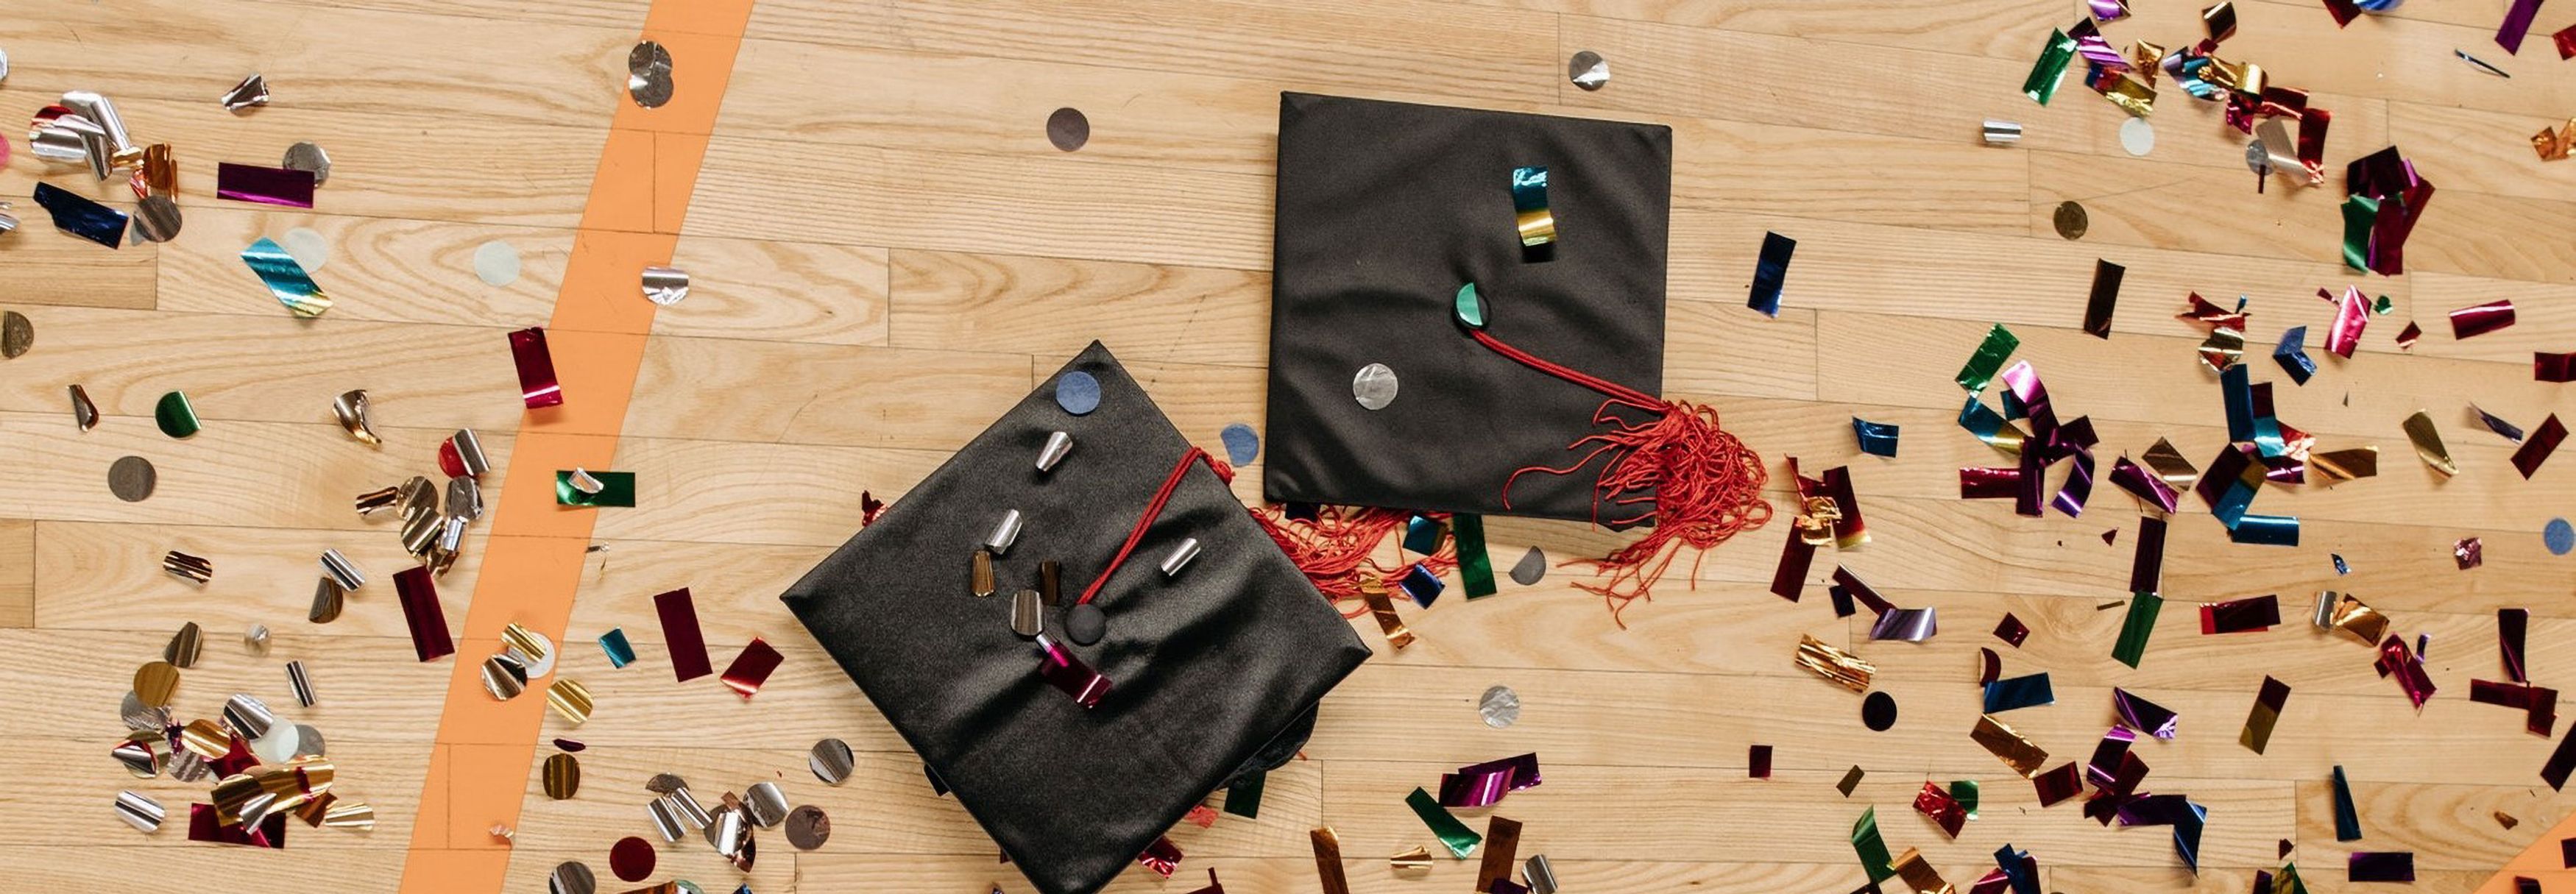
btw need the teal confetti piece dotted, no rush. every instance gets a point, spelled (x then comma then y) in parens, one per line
(1422, 535)
(285, 278)
(615, 489)
(1453, 834)
(1475, 568)
(620, 653)
(2134, 631)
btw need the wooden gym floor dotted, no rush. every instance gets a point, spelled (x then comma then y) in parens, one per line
(886, 252)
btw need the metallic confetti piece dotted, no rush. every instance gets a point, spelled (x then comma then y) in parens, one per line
(1587, 70)
(2240, 615)
(1875, 438)
(1328, 860)
(183, 565)
(831, 761)
(2012, 630)
(1758, 762)
(2428, 444)
(1374, 594)
(1871, 849)
(1475, 565)
(423, 614)
(1068, 129)
(1770, 272)
(2001, 133)
(82, 217)
(1919, 874)
(302, 684)
(1531, 569)
(496, 263)
(1420, 584)
(1058, 445)
(2057, 785)
(533, 649)
(2507, 430)
(1481, 785)
(2480, 319)
(2017, 692)
(681, 636)
(184, 646)
(2352, 314)
(139, 810)
(205, 824)
(2106, 296)
(2142, 715)
(2146, 569)
(176, 416)
(155, 682)
(1028, 613)
(1945, 811)
(1242, 444)
(1500, 707)
(2469, 552)
(808, 827)
(1460, 840)
(1851, 780)
(648, 76)
(537, 384)
(1374, 386)
(1833, 664)
(1005, 531)
(156, 218)
(615, 489)
(570, 699)
(505, 676)
(85, 415)
(751, 668)
(2388, 866)
(1422, 534)
(251, 93)
(461, 455)
(631, 858)
(1988, 359)
(1538, 875)
(1243, 796)
(2347, 820)
(2335, 466)
(2040, 86)
(765, 804)
(351, 409)
(1502, 847)
(1414, 860)
(265, 186)
(2407, 667)
(561, 776)
(1068, 674)
(1537, 228)
(620, 654)
(980, 573)
(2543, 442)
(2134, 631)
(287, 281)
(1911, 625)
(255, 639)
(2292, 354)
(665, 286)
(571, 877)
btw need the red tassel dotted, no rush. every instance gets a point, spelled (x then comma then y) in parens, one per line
(1335, 549)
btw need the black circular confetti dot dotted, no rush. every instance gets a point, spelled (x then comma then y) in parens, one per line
(1878, 711)
(1085, 623)
(1068, 129)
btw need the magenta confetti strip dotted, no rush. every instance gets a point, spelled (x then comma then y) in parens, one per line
(1162, 857)
(2509, 34)
(2536, 450)
(2538, 704)
(2078, 488)
(2480, 319)
(2147, 570)
(2397, 661)
(680, 634)
(537, 384)
(267, 186)
(2547, 367)
(2108, 755)
(2108, 10)
(1989, 482)
(2033, 395)
(2033, 481)
(1844, 578)
(1850, 530)
(205, 823)
(422, 613)
(1067, 673)
(2384, 196)
(2561, 762)
(2143, 715)
(2386, 866)
(2241, 615)
(2352, 314)
(1481, 785)
(1758, 762)
(2144, 485)
(2058, 785)
(2512, 625)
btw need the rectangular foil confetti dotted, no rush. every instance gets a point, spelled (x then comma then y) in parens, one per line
(1328, 860)
(2055, 786)
(1911, 625)
(1770, 272)
(2502, 428)
(2347, 820)
(1875, 438)
(2106, 297)
(2546, 367)
(616, 489)
(1991, 353)
(752, 668)
(2240, 615)
(1069, 674)
(1502, 848)
(1482, 785)
(1944, 810)
(285, 278)
(290, 187)
(1475, 567)
(2134, 631)
(81, 217)
(2149, 488)
(1758, 762)
(2147, 569)
(204, 825)
(2480, 319)
(2292, 354)
(1374, 593)
(2008, 746)
(2018, 692)
(1536, 224)
(1834, 664)
(2542, 443)
(1871, 848)
(2407, 667)
(2384, 866)
(2509, 34)
(620, 653)
(2045, 73)
(680, 634)
(2512, 626)
(2352, 315)
(2144, 716)
(422, 613)
(538, 387)
(1454, 835)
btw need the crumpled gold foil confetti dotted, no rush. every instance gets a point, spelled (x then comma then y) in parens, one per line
(1843, 668)
(2015, 751)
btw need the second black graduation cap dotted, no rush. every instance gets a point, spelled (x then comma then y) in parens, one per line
(1212, 673)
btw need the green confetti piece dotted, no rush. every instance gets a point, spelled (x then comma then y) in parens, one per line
(1964, 791)
(1475, 568)
(2134, 631)
(2358, 213)
(1872, 849)
(1989, 359)
(615, 489)
(177, 418)
(2050, 69)
(1471, 307)
(1243, 798)
(1460, 840)
(2288, 881)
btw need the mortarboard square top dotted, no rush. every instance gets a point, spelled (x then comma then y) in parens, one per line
(1384, 210)
(1214, 669)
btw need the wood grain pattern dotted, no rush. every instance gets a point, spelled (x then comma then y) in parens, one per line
(886, 252)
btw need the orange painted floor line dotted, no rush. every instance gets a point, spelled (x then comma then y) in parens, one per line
(532, 555)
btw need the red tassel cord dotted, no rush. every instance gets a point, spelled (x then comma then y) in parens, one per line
(1336, 549)
(1154, 508)
(1706, 486)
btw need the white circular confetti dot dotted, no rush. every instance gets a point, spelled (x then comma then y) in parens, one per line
(496, 263)
(1374, 386)
(307, 247)
(2137, 136)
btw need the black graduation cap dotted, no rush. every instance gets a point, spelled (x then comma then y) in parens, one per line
(1506, 272)
(1211, 672)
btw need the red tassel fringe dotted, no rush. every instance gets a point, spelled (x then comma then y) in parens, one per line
(1700, 483)
(1335, 550)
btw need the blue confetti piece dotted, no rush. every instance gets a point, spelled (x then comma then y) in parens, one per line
(82, 217)
(1077, 392)
(1770, 273)
(2560, 536)
(2340, 567)
(1422, 585)
(2266, 530)
(1242, 444)
(2019, 692)
(620, 653)
(1876, 438)
(2292, 354)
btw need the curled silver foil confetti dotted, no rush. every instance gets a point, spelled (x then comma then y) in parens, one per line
(2001, 133)
(1588, 70)
(1182, 553)
(665, 286)
(252, 92)
(139, 810)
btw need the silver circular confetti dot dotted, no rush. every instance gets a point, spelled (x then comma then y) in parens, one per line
(1068, 129)
(309, 249)
(496, 263)
(831, 761)
(2137, 136)
(156, 218)
(572, 877)
(1588, 70)
(308, 741)
(648, 74)
(131, 479)
(1373, 386)
(1501, 707)
(808, 827)
(309, 157)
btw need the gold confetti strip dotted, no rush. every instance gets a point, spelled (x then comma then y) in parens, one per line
(188, 566)
(2344, 612)
(1817, 515)
(1835, 664)
(351, 408)
(1919, 874)
(1415, 860)
(84, 413)
(570, 699)
(1328, 860)
(350, 815)
(2428, 444)
(2337, 466)
(2169, 465)
(1373, 592)
(2009, 746)
(314, 810)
